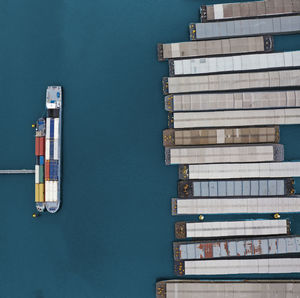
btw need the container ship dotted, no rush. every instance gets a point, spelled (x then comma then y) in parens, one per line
(48, 153)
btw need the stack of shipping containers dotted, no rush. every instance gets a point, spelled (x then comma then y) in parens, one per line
(40, 164)
(52, 156)
(226, 94)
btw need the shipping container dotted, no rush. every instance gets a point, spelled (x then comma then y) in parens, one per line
(53, 170)
(51, 128)
(47, 170)
(47, 149)
(236, 188)
(236, 118)
(56, 128)
(248, 205)
(239, 63)
(232, 81)
(251, 27)
(47, 128)
(51, 149)
(232, 100)
(37, 196)
(42, 160)
(41, 174)
(240, 170)
(220, 136)
(37, 146)
(51, 191)
(229, 289)
(231, 248)
(205, 48)
(36, 174)
(42, 146)
(239, 135)
(55, 149)
(231, 228)
(224, 154)
(246, 10)
(238, 266)
(41, 192)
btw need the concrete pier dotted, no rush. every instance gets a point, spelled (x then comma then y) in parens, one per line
(22, 171)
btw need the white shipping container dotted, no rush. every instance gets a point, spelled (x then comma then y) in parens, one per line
(240, 170)
(47, 149)
(56, 128)
(242, 266)
(236, 205)
(54, 191)
(47, 128)
(36, 174)
(48, 191)
(55, 149)
(235, 228)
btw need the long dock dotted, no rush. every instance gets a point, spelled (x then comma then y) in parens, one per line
(22, 171)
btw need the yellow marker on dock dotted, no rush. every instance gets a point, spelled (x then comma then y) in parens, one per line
(276, 215)
(201, 217)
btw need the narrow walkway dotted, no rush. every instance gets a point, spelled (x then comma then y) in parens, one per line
(23, 171)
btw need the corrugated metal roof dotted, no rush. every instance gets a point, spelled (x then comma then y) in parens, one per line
(236, 248)
(250, 27)
(240, 170)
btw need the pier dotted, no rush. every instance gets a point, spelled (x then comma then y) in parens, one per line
(22, 171)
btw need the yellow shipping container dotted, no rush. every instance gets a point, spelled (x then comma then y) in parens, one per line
(36, 192)
(42, 192)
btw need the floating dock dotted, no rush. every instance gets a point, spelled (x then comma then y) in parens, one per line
(231, 248)
(245, 10)
(244, 266)
(232, 100)
(224, 154)
(235, 118)
(236, 188)
(240, 170)
(250, 27)
(205, 48)
(215, 205)
(231, 228)
(238, 63)
(221, 136)
(229, 289)
(232, 81)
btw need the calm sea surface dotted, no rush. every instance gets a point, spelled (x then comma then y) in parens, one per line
(113, 235)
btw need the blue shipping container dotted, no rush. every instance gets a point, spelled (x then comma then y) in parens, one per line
(51, 128)
(51, 149)
(42, 161)
(53, 170)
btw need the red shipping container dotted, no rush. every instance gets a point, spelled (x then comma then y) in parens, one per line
(42, 146)
(47, 170)
(37, 146)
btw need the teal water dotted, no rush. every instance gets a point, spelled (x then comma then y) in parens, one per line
(112, 237)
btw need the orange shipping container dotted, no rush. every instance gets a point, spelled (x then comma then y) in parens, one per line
(47, 170)
(37, 146)
(42, 146)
